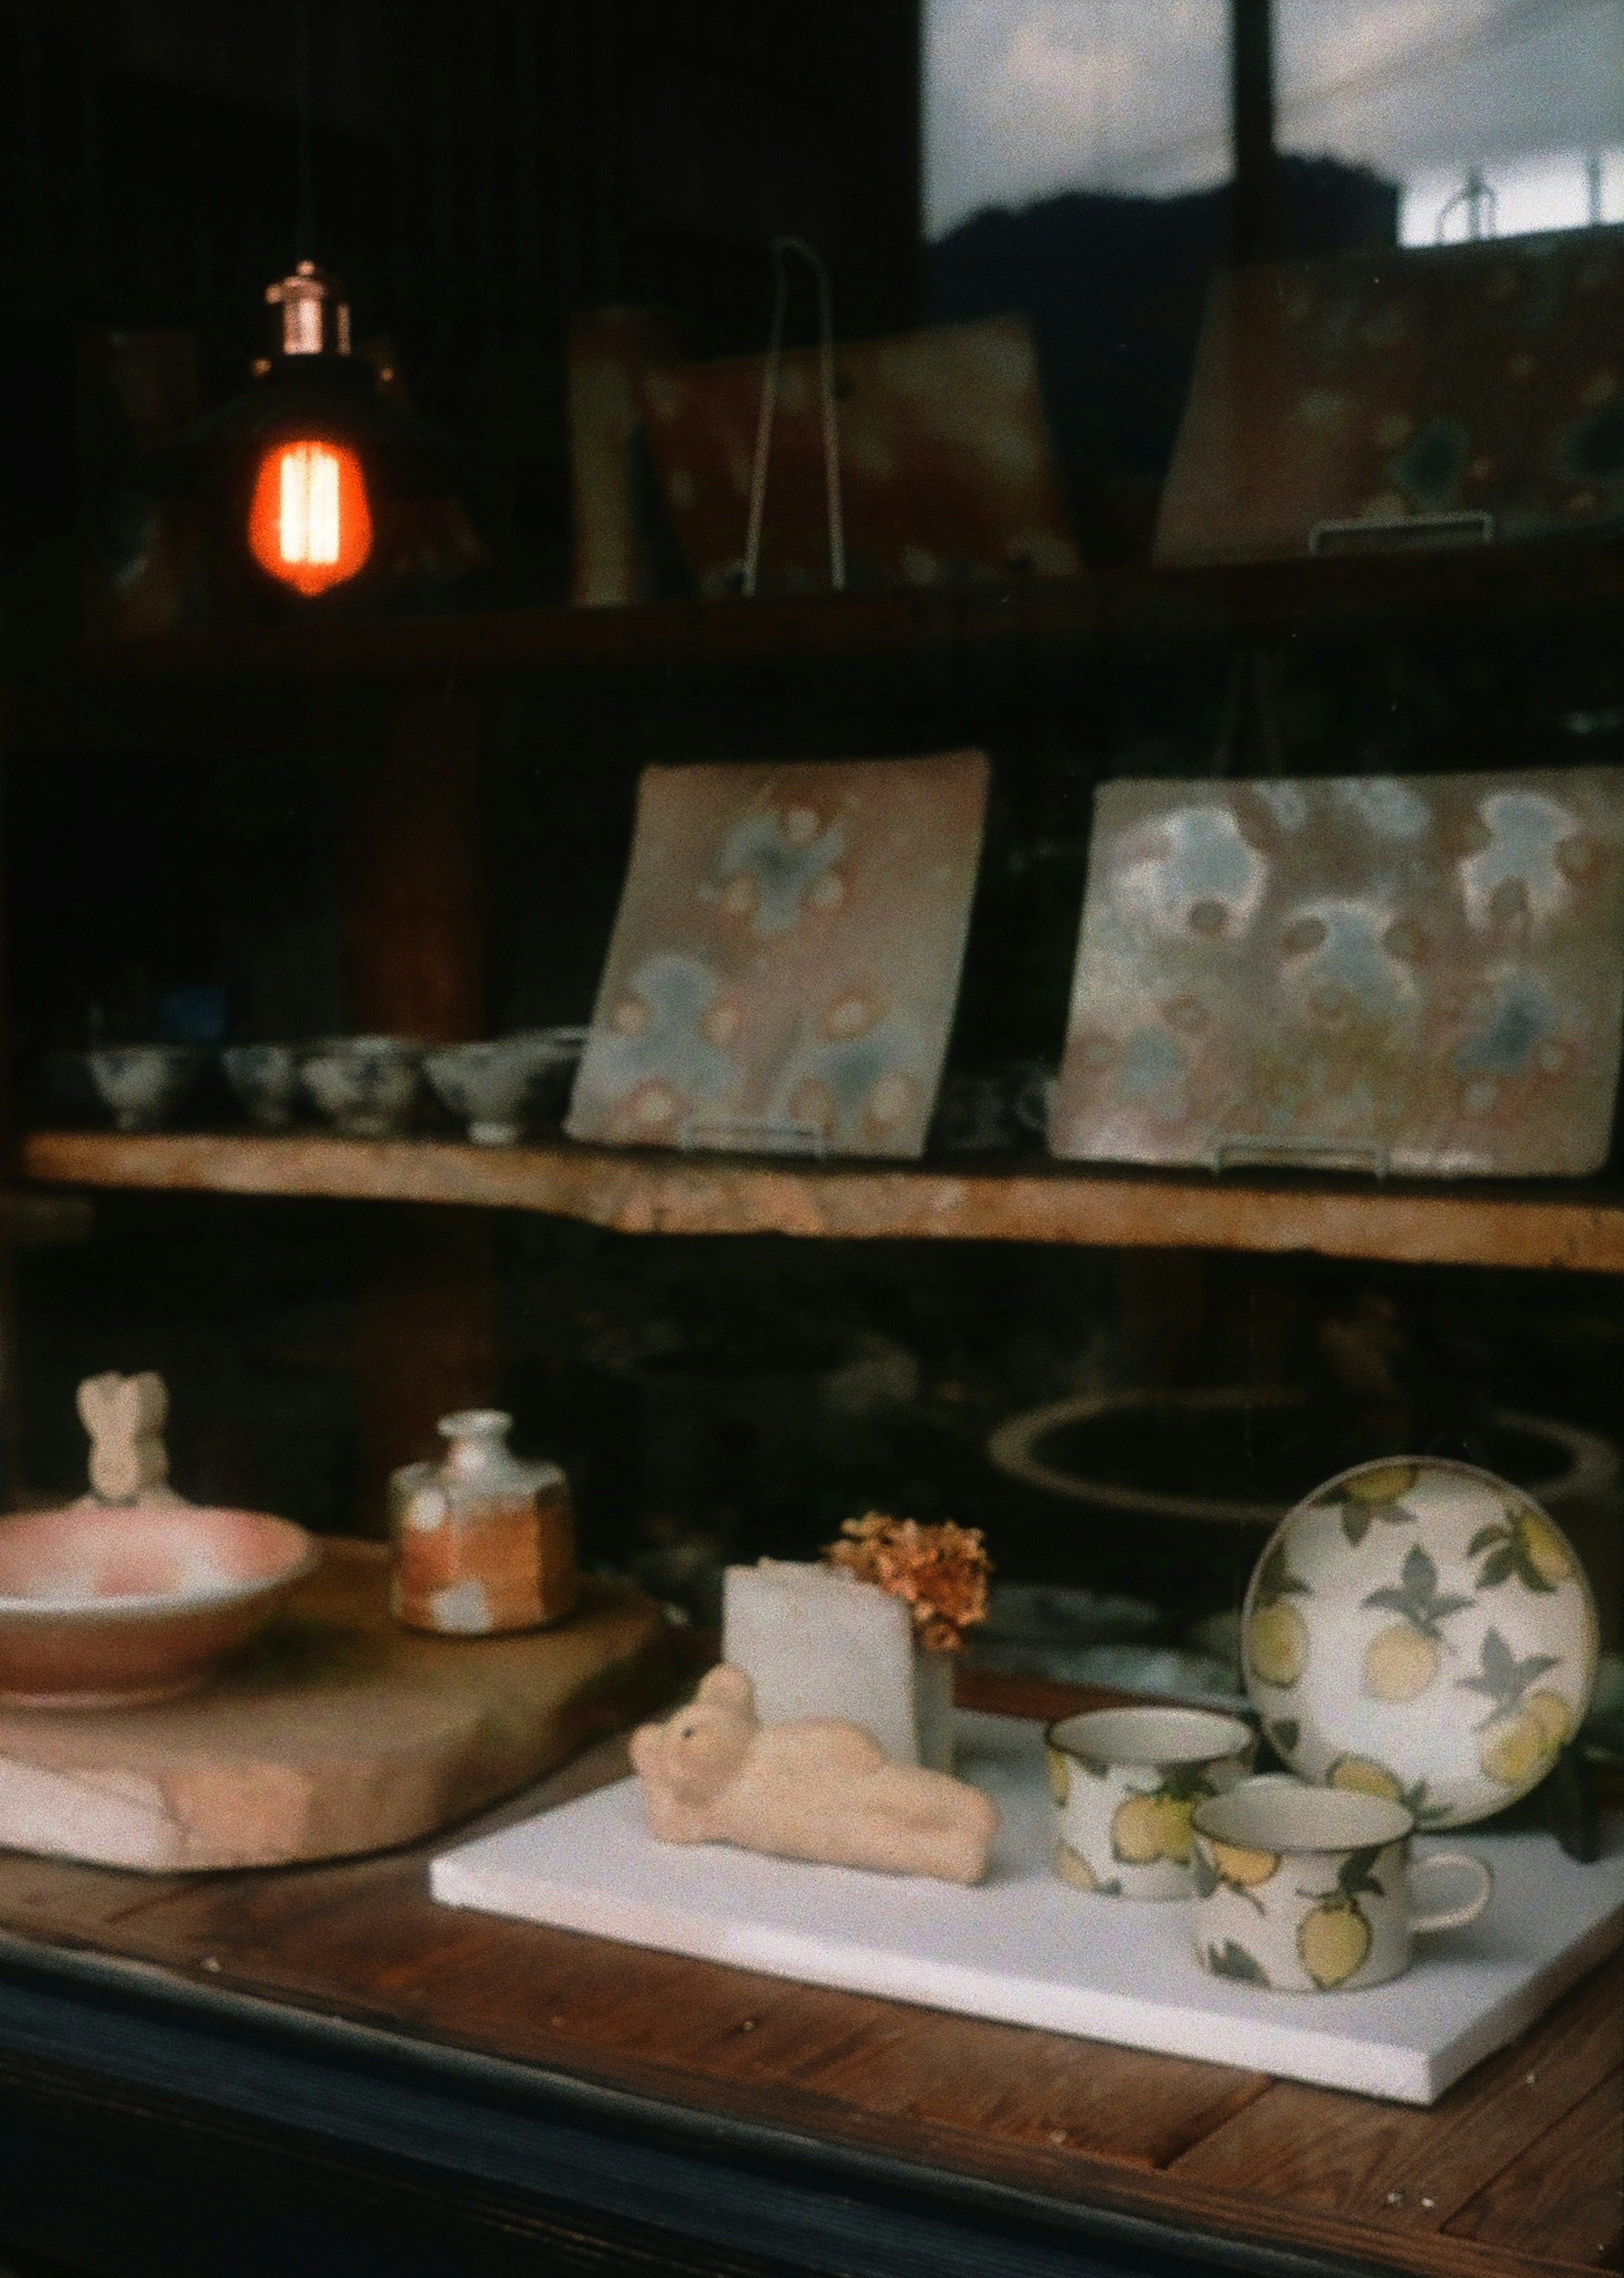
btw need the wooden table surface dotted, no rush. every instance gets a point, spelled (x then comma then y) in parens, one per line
(1517, 2169)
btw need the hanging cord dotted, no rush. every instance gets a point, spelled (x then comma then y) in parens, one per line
(304, 116)
(781, 246)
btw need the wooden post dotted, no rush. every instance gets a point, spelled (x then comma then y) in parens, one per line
(426, 1342)
(1253, 215)
(415, 920)
(426, 1338)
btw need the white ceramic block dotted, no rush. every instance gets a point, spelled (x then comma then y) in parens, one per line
(817, 1642)
(1027, 1948)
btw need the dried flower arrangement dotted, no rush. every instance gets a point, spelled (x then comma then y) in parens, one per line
(940, 1571)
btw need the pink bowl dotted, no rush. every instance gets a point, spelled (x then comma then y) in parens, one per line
(106, 1606)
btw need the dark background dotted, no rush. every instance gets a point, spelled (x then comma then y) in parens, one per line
(478, 172)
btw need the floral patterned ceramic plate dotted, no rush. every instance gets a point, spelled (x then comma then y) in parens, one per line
(1420, 1630)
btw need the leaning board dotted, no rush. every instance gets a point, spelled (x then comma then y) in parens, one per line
(1028, 1949)
(334, 1732)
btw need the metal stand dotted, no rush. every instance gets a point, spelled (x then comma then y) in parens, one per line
(1246, 1150)
(1407, 534)
(781, 246)
(766, 1134)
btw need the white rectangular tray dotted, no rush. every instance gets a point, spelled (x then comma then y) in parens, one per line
(1028, 1949)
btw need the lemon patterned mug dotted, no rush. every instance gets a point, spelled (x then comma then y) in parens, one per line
(1308, 1889)
(1125, 1782)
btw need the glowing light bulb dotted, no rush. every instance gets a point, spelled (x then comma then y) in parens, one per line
(309, 521)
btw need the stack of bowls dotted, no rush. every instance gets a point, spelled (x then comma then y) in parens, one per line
(365, 1087)
(370, 1087)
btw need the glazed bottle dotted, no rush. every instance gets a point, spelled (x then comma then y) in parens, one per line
(484, 1544)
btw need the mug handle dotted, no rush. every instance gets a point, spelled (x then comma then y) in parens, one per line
(1453, 1917)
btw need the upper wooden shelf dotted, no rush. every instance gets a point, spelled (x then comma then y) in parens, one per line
(1579, 1229)
(1513, 583)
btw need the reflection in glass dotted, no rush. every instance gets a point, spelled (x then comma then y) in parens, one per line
(1495, 116)
(1025, 99)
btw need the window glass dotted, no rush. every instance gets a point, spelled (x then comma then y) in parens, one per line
(1494, 117)
(1025, 99)
(1076, 159)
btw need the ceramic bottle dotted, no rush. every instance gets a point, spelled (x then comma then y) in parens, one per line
(484, 1543)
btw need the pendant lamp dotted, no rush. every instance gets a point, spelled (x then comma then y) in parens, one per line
(305, 474)
(309, 522)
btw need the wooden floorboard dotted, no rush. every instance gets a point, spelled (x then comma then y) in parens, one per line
(1562, 2198)
(1032, 2086)
(1414, 2171)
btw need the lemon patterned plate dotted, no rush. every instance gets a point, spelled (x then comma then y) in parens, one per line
(1420, 1630)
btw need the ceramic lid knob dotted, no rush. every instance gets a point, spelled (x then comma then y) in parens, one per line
(479, 1442)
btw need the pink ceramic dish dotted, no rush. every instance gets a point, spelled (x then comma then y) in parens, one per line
(110, 1606)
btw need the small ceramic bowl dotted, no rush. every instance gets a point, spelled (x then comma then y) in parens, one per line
(365, 1086)
(143, 1085)
(265, 1079)
(489, 1085)
(113, 1605)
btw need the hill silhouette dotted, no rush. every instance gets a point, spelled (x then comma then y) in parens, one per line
(1113, 288)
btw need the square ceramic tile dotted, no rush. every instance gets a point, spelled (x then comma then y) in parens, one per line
(1026, 1947)
(1422, 974)
(1482, 380)
(947, 474)
(785, 960)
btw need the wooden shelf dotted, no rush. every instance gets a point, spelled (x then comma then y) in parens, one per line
(1578, 1228)
(1561, 579)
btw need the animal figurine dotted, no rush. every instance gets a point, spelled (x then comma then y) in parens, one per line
(814, 1787)
(125, 1417)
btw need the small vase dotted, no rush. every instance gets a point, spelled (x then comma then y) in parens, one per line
(484, 1544)
(933, 1708)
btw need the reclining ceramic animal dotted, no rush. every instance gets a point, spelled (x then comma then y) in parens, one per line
(812, 1788)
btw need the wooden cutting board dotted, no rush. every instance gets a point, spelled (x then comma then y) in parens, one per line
(334, 1732)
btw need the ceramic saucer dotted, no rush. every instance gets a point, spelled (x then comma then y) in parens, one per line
(1422, 1630)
